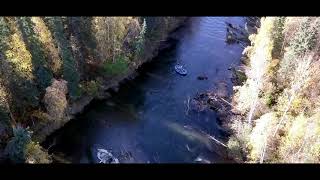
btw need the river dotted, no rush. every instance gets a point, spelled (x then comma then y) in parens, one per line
(147, 120)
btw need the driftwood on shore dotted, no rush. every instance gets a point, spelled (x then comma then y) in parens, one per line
(217, 100)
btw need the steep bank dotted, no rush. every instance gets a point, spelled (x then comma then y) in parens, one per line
(277, 104)
(52, 67)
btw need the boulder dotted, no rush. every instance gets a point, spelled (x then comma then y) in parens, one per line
(202, 77)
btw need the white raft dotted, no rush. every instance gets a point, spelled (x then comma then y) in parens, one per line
(106, 157)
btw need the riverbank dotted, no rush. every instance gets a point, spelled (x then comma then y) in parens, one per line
(219, 98)
(151, 49)
(276, 104)
(67, 63)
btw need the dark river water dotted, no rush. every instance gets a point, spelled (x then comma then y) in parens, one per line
(147, 120)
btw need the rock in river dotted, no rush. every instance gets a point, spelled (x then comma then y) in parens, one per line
(202, 77)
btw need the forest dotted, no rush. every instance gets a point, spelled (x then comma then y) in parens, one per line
(53, 68)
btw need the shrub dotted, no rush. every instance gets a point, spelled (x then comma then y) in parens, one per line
(92, 87)
(16, 147)
(120, 66)
(240, 77)
(35, 154)
(270, 100)
(21, 149)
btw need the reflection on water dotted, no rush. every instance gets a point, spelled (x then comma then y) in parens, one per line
(146, 121)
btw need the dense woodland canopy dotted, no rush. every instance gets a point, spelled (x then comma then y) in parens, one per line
(51, 67)
(278, 103)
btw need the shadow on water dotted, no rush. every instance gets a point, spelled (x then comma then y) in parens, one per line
(146, 120)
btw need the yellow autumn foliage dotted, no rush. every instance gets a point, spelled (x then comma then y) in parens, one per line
(18, 54)
(45, 37)
(289, 132)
